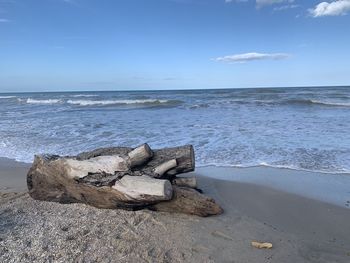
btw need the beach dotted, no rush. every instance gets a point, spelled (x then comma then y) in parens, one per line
(176, 131)
(301, 227)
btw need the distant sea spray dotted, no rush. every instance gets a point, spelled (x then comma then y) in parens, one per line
(298, 128)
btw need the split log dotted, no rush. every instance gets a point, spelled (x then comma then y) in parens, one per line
(161, 169)
(144, 188)
(184, 156)
(52, 179)
(190, 182)
(106, 164)
(139, 155)
(189, 201)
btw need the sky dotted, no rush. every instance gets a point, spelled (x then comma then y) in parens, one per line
(60, 45)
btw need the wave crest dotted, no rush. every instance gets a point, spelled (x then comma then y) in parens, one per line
(318, 102)
(48, 101)
(84, 95)
(120, 102)
(7, 97)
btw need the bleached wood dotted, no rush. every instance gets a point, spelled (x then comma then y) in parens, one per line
(140, 155)
(184, 156)
(106, 164)
(164, 167)
(91, 178)
(144, 188)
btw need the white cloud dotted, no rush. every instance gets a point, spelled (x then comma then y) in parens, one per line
(4, 20)
(335, 8)
(245, 57)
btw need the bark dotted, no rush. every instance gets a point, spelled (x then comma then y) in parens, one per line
(50, 180)
(184, 156)
(189, 201)
(121, 177)
(190, 182)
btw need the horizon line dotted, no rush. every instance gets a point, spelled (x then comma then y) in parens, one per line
(192, 89)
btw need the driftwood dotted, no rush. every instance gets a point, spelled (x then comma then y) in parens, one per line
(144, 188)
(186, 182)
(189, 201)
(161, 169)
(122, 177)
(139, 155)
(184, 156)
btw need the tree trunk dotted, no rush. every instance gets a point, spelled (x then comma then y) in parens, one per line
(49, 179)
(144, 188)
(189, 201)
(121, 177)
(184, 156)
(139, 155)
(190, 182)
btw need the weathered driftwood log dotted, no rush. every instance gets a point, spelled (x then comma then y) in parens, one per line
(106, 164)
(144, 188)
(120, 177)
(139, 155)
(189, 201)
(52, 179)
(161, 169)
(186, 182)
(184, 156)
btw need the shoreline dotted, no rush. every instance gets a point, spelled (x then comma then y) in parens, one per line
(324, 187)
(270, 166)
(227, 166)
(330, 188)
(301, 229)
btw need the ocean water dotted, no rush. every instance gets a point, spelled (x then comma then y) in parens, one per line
(298, 128)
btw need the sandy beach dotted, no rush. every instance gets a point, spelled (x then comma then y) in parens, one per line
(301, 229)
(175, 131)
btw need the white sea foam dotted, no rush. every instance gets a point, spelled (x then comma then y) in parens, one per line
(114, 102)
(48, 101)
(7, 97)
(264, 164)
(84, 95)
(329, 103)
(257, 129)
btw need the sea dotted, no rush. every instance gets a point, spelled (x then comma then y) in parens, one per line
(306, 128)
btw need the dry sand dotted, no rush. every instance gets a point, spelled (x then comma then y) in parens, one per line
(300, 229)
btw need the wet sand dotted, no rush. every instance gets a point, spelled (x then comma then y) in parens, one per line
(300, 228)
(13, 175)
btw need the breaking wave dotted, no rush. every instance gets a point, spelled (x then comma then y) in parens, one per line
(84, 95)
(48, 101)
(7, 97)
(318, 102)
(120, 102)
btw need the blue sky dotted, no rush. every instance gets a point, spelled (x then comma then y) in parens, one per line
(48, 45)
